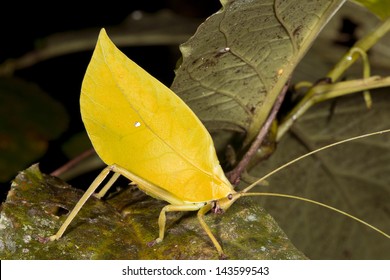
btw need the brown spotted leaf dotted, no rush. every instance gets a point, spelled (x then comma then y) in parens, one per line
(239, 59)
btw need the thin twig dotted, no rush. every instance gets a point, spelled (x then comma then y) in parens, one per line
(72, 162)
(235, 174)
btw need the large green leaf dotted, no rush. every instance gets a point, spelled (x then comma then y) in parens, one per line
(239, 59)
(354, 177)
(121, 226)
(318, 232)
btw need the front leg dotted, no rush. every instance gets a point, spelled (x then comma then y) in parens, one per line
(171, 208)
(202, 211)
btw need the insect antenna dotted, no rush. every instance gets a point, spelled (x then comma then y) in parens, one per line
(242, 194)
(245, 192)
(309, 154)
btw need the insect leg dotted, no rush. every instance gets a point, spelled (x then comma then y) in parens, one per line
(92, 188)
(202, 211)
(109, 184)
(171, 208)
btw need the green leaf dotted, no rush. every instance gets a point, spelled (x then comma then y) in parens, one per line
(121, 226)
(239, 59)
(29, 118)
(379, 7)
(354, 177)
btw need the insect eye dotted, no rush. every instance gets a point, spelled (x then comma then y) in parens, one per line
(230, 196)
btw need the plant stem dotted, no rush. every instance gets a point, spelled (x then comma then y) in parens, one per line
(346, 61)
(235, 174)
(363, 44)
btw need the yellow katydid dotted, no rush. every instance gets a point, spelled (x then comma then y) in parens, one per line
(146, 133)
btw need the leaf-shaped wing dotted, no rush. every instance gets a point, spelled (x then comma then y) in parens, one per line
(134, 121)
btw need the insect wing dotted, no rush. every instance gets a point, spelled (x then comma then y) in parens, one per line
(135, 121)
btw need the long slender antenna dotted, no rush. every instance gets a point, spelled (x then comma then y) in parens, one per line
(309, 154)
(317, 203)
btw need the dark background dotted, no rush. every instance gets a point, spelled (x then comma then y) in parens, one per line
(23, 26)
